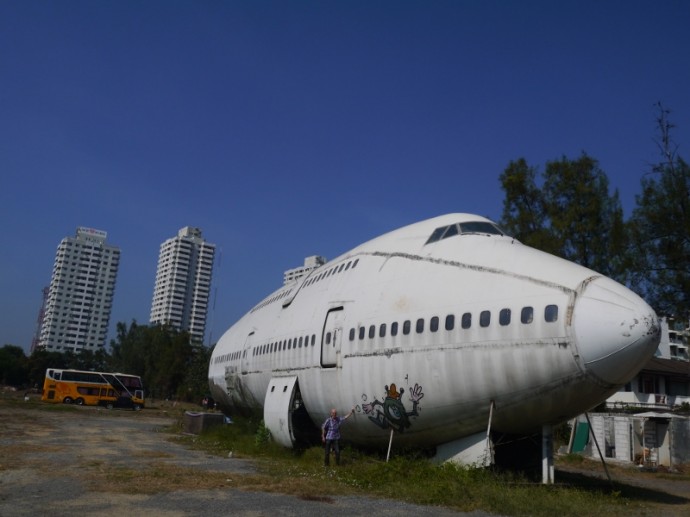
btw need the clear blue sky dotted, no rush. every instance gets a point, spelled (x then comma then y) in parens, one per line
(287, 129)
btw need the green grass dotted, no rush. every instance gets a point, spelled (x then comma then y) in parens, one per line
(413, 478)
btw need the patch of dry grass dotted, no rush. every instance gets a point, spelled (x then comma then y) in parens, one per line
(162, 477)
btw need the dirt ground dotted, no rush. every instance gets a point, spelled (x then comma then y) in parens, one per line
(92, 461)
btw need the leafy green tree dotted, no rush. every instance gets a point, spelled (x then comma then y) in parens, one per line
(524, 211)
(660, 228)
(129, 348)
(164, 358)
(582, 214)
(572, 215)
(40, 360)
(13, 366)
(195, 383)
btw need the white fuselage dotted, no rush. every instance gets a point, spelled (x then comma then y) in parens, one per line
(480, 319)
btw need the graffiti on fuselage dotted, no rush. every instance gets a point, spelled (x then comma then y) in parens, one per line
(391, 412)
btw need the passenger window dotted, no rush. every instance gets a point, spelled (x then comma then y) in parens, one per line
(504, 317)
(420, 325)
(551, 313)
(406, 327)
(484, 318)
(328, 338)
(450, 322)
(433, 324)
(313, 339)
(527, 315)
(372, 331)
(382, 330)
(394, 328)
(361, 333)
(300, 342)
(352, 334)
(467, 320)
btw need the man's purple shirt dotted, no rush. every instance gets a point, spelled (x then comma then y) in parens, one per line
(333, 427)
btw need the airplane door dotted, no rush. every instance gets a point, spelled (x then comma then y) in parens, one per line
(247, 353)
(279, 405)
(332, 337)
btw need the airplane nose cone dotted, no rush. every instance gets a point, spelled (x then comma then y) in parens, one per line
(616, 331)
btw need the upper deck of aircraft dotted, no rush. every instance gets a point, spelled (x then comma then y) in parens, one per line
(414, 237)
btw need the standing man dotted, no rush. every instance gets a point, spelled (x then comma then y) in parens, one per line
(330, 434)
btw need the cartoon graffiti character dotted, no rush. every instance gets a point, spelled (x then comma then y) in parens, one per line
(391, 412)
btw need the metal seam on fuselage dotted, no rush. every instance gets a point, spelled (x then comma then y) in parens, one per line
(471, 267)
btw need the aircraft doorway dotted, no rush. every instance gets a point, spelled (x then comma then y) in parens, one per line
(331, 338)
(247, 353)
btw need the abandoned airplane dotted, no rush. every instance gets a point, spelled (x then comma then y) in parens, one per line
(436, 333)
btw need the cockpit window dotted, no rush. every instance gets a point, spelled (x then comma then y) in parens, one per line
(480, 227)
(452, 230)
(437, 235)
(464, 228)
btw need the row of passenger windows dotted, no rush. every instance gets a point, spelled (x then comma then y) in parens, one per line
(504, 319)
(285, 344)
(268, 348)
(272, 299)
(332, 271)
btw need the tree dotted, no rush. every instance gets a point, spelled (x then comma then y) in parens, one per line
(660, 228)
(524, 214)
(582, 215)
(13, 366)
(572, 215)
(196, 379)
(162, 356)
(41, 360)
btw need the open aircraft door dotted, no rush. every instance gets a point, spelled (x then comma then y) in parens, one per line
(279, 406)
(332, 337)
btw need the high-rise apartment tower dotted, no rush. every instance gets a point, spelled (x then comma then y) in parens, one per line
(183, 283)
(80, 296)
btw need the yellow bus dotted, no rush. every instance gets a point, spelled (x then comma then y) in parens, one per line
(93, 389)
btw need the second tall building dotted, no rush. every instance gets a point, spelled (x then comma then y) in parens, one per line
(183, 283)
